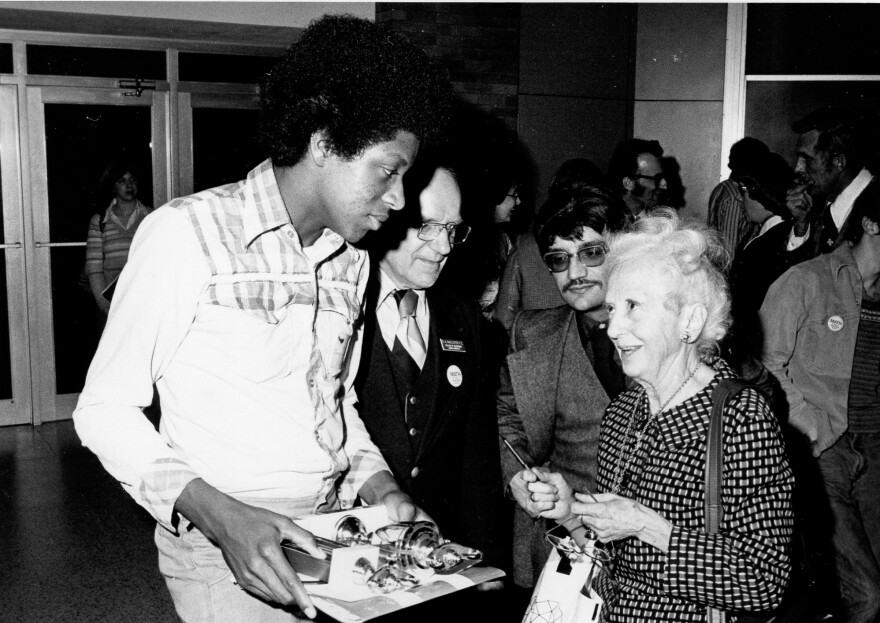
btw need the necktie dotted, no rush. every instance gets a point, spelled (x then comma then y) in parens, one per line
(408, 330)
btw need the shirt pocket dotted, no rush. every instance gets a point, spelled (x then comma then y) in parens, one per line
(828, 342)
(335, 332)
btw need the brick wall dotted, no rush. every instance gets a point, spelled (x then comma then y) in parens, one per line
(477, 43)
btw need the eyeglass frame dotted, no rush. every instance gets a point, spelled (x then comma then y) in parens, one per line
(590, 245)
(659, 177)
(450, 228)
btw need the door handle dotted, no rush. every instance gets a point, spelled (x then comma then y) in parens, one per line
(11, 245)
(44, 245)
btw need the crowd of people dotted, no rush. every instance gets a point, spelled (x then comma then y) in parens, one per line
(309, 357)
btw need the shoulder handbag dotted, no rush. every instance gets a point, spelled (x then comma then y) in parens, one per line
(714, 476)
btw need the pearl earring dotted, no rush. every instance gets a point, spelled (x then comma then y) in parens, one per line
(685, 337)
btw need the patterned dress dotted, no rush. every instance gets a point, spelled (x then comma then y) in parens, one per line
(744, 567)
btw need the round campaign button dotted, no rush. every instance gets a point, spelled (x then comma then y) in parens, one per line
(453, 375)
(835, 323)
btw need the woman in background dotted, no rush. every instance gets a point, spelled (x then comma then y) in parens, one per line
(112, 230)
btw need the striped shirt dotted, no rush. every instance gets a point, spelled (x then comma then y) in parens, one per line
(107, 250)
(253, 343)
(746, 565)
(863, 405)
(727, 214)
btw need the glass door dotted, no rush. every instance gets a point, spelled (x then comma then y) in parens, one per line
(15, 382)
(74, 134)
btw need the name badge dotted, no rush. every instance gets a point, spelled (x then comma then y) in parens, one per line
(452, 346)
(835, 323)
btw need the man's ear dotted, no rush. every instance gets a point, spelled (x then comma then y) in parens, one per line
(319, 148)
(870, 227)
(628, 184)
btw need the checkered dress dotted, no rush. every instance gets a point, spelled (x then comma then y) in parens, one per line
(746, 566)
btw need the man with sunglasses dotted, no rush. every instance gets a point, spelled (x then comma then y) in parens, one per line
(561, 371)
(420, 381)
(636, 173)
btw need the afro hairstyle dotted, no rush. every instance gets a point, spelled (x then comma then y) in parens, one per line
(358, 82)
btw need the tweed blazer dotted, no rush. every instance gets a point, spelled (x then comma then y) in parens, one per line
(550, 405)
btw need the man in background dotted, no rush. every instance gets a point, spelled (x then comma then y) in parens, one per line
(561, 371)
(635, 172)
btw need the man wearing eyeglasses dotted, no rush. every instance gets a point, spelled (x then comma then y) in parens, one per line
(636, 173)
(561, 371)
(420, 379)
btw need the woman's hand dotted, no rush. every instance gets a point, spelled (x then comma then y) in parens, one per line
(613, 518)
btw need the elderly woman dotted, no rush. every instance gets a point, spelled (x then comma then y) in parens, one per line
(668, 308)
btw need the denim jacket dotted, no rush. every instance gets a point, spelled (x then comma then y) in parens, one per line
(810, 321)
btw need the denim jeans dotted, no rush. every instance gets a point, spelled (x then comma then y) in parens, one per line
(201, 583)
(851, 472)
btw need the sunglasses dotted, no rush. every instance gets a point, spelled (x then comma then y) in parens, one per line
(589, 255)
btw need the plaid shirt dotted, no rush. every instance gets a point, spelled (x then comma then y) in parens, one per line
(252, 342)
(746, 565)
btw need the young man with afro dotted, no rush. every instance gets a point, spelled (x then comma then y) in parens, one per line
(242, 304)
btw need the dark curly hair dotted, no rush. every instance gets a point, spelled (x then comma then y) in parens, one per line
(566, 212)
(357, 81)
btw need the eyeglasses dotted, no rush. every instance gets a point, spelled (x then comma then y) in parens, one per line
(513, 194)
(456, 232)
(654, 178)
(589, 255)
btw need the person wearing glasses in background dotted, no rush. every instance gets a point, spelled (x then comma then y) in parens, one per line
(561, 370)
(420, 379)
(635, 172)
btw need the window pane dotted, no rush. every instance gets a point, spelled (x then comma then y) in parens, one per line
(54, 60)
(224, 146)
(812, 39)
(80, 141)
(771, 107)
(197, 67)
(75, 320)
(5, 58)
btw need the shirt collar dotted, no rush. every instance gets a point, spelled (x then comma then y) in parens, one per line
(842, 205)
(841, 257)
(387, 288)
(264, 210)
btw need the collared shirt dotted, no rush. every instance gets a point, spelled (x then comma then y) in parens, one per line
(840, 208)
(843, 204)
(387, 313)
(109, 240)
(248, 337)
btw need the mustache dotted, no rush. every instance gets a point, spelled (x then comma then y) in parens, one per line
(581, 281)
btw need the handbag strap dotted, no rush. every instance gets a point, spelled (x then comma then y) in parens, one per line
(714, 510)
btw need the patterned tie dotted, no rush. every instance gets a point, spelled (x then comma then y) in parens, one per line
(408, 330)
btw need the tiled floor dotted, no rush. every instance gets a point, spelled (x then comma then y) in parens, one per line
(74, 547)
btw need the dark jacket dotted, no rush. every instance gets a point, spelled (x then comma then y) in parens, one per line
(443, 450)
